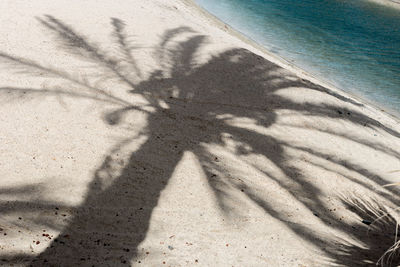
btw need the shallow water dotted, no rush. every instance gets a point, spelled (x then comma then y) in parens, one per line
(352, 44)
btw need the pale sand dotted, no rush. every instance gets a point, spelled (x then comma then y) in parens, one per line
(145, 133)
(389, 3)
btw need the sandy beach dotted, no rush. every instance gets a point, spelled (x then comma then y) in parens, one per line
(148, 133)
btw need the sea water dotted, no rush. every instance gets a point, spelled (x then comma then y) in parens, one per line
(353, 44)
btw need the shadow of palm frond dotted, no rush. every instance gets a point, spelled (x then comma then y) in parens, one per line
(376, 233)
(194, 107)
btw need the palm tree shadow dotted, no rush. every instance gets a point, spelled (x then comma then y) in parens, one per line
(193, 106)
(112, 222)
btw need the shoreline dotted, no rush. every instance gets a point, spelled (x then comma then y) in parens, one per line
(387, 3)
(292, 67)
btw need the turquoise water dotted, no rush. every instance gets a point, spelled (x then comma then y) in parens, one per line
(352, 44)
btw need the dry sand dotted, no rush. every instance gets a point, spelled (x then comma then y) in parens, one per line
(145, 133)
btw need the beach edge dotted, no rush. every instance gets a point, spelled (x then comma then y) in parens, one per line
(372, 107)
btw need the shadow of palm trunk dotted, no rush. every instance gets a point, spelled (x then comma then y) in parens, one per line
(109, 226)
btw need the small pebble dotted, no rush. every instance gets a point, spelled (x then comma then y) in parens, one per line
(366, 222)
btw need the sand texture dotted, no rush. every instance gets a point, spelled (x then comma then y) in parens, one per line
(145, 133)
